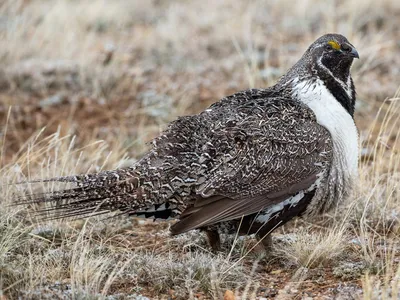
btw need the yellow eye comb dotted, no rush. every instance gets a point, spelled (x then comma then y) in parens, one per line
(335, 45)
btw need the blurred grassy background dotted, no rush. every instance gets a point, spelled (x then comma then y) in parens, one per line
(121, 69)
(85, 84)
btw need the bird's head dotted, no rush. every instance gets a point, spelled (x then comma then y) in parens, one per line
(333, 52)
(328, 59)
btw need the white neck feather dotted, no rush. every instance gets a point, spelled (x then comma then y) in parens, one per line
(332, 115)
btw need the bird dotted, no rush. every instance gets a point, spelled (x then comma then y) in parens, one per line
(246, 165)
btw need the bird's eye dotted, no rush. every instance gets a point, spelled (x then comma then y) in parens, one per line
(345, 47)
(332, 45)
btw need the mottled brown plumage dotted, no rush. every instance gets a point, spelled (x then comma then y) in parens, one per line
(256, 159)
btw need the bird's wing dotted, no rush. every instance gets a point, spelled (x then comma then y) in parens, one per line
(260, 152)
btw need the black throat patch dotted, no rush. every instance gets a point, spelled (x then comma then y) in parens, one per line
(338, 91)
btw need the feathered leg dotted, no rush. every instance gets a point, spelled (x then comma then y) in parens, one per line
(266, 239)
(214, 240)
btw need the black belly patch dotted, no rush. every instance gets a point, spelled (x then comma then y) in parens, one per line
(249, 224)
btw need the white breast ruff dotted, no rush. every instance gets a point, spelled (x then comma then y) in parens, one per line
(332, 115)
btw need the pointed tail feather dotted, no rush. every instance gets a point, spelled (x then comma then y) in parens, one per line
(73, 179)
(95, 194)
(103, 192)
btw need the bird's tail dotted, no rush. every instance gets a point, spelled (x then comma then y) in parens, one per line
(100, 193)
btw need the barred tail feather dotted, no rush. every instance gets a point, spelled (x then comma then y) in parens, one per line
(75, 202)
(96, 194)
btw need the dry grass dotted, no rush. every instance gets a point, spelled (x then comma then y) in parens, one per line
(85, 84)
(311, 250)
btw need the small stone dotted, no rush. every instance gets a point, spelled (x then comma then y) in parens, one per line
(52, 100)
(229, 295)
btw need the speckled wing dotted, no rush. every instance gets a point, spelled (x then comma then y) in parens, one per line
(259, 151)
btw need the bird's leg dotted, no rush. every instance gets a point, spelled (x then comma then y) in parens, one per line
(266, 239)
(213, 240)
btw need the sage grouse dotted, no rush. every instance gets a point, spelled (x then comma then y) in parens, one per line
(249, 163)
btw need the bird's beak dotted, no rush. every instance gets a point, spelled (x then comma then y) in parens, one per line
(354, 53)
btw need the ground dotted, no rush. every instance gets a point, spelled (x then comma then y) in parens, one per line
(85, 85)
